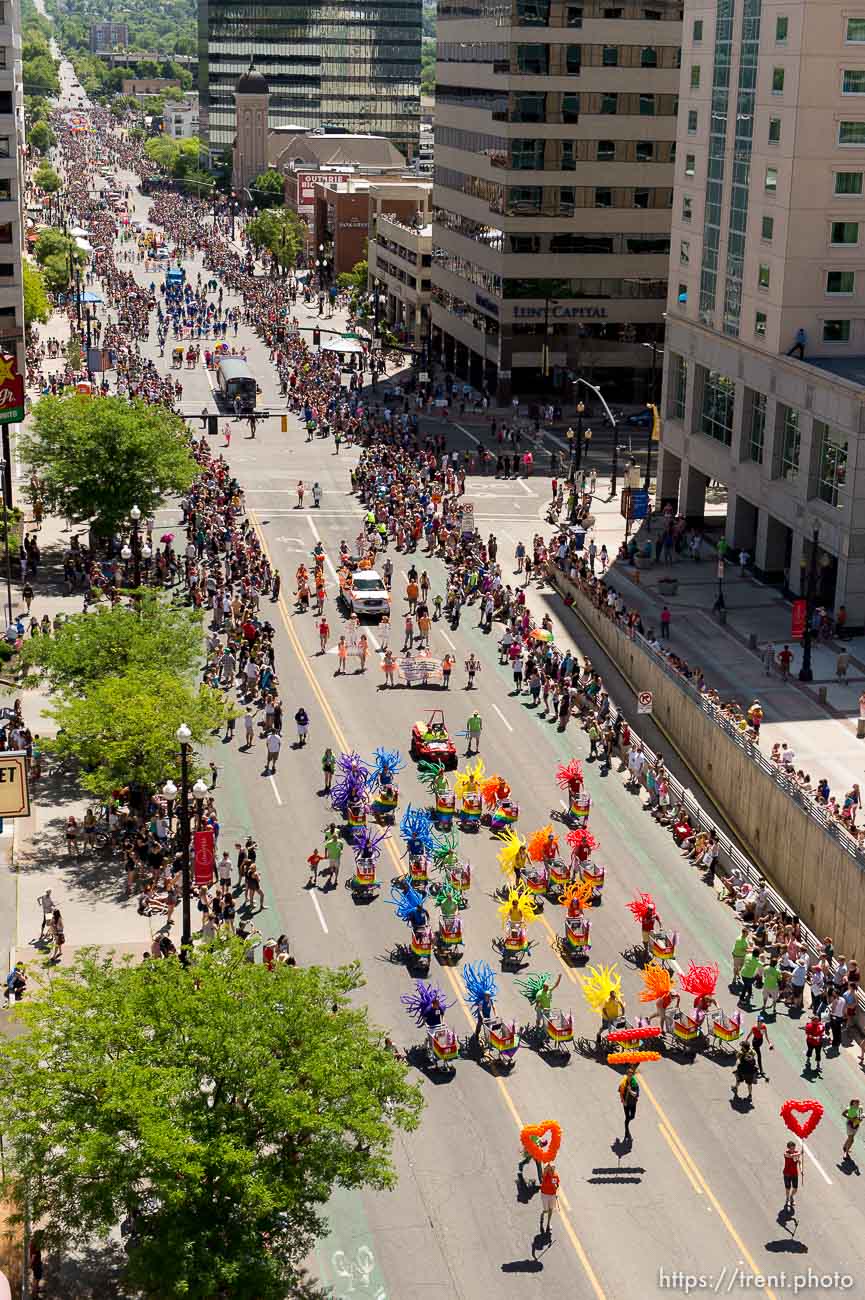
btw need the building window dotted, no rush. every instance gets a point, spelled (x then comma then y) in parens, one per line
(836, 331)
(645, 150)
(5, 144)
(781, 27)
(770, 182)
(570, 109)
(682, 294)
(760, 324)
(767, 228)
(648, 57)
(692, 121)
(573, 59)
(756, 429)
(777, 81)
(840, 281)
(610, 56)
(569, 156)
(5, 187)
(603, 198)
(774, 130)
(574, 16)
(851, 133)
(855, 31)
(698, 30)
(5, 232)
(533, 60)
(527, 155)
(647, 106)
(845, 232)
(831, 464)
(853, 82)
(690, 164)
(716, 416)
(609, 103)
(533, 13)
(685, 252)
(642, 198)
(695, 76)
(788, 452)
(848, 182)
(687, 207)
(7, 270)
(530, 108)
(678, 386)
(763, 276)
(606, 150)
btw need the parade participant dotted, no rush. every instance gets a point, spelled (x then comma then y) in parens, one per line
(481, 990)
(746, 1070)
(658, 988)
(549, 1196)
(629, 1095)
(643, 908)
(852, 1116)
(793, 1167)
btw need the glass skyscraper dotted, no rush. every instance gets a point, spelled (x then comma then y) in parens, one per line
(334, 63)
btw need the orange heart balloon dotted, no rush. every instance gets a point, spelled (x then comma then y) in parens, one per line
(549, 1133)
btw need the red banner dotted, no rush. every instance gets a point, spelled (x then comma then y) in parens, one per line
(11, 391)
(800, 615)
(204, 849)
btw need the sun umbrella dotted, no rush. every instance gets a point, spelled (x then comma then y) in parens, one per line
(541, 634)
(167, 537)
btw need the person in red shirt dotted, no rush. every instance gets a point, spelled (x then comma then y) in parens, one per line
(549, 1196)
(323, 634)
(792, 1165)
(813, 1041)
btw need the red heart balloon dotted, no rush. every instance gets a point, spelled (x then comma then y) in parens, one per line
(809, 1107)
(549, 1130)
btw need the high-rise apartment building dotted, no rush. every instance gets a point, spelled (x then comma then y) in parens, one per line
(330, 63)
(108, 36)
(765, 346)
(555, 130)
(11, 198)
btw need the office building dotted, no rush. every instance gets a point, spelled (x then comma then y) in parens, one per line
(355, 67)
(764, 386)
(399, 254)
(11, 199)
(555, 126)
(108, 36)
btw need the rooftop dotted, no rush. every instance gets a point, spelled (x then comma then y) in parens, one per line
(371, 151)
(850, 368)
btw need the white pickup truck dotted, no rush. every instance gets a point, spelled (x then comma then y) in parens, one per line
(367, 596)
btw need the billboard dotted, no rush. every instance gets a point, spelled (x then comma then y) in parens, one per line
(11, 391)
(306, 183)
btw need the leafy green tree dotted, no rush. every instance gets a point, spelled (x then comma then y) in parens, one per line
(199, 183)
(217, 1106)
(268, 189)
(55, 272)
(36, 304)
(46, 178)
(280, 231)
(116, 640)
(41, 137)
(54, 242)
(124, 727)
(356, 280)
(99, 457)
(163, 152)
(428, 67)
(40, 75)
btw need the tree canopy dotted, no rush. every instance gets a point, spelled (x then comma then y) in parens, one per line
(36, 304)
(124, 728)
(175, 157)
(213, 1107)
(280, 231)
(46, 178)
(116, 640)
(268, 189)
(100, 456)
(41, 137)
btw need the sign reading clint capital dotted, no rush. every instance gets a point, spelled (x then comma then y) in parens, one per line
(560, 312)
(14, 788)
(11, 391)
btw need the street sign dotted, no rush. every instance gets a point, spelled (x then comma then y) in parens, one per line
(14, 787)
(800, 616)
(204, 850)
(467, 520)
(644, 702)
(639, 503)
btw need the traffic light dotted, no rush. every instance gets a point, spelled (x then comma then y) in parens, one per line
(316, 337)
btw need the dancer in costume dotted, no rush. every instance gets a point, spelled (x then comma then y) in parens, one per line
(381, 782)
(570, 777)
(643, 908)
(348, 795)
(427, 1006)
(658, 988)
(503, 811)
(449, 937)
(582, 843)
(701, 982)
(542, 849)
(517, 913)
(602, 989)
(447, 862)
(416, 829)
(513, 856)
(434, 777)
(409, 905)
(467, 789)
(577, 941)
(481, 990)
(367, 851)
(538, 990)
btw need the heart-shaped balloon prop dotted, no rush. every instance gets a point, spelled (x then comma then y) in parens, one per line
(550, 1131)
(791, 1110)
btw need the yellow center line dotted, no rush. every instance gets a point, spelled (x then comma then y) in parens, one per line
(670, 1141)
(574, 1239)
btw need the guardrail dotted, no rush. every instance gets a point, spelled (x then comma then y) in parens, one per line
(730, 858)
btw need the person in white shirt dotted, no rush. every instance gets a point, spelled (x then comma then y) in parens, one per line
(274, 744)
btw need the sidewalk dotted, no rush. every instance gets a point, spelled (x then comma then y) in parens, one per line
(823, 736)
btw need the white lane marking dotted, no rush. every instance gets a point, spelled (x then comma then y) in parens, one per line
(528, 491)
(276, 793)
(317, 907)
(475, 440)
(329, 564)
(817, 1165)
(449, 641)
(503, 718)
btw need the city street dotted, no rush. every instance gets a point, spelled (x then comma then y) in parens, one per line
(699, 1192)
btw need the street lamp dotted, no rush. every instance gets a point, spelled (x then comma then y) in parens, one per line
(184, 737)
(577, 444)
(805, 672)
(169, 791)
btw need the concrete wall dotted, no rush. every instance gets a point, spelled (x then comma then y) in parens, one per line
(820, 880)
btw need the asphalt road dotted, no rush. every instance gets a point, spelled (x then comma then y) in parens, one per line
(699, 1193)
